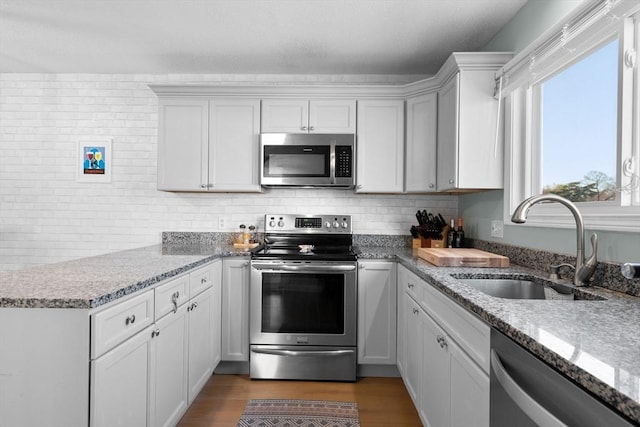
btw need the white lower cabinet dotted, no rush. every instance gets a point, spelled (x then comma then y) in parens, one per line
(377, 312)
(413, 363)
(120, 383)
(448, 386)
(204, 338)
(168, 398)
(235, 309)
(151, 377)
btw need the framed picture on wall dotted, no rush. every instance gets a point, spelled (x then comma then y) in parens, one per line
(94, 161)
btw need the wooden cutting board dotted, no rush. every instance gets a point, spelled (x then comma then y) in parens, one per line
(448, 257)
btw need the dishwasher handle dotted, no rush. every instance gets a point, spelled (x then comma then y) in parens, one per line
(539, 414)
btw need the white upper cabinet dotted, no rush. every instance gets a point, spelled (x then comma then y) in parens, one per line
(469, 152)
(208, 144)
(234, 145)
(380, 146)
(308, 116)
(183, 144)
(420, 158)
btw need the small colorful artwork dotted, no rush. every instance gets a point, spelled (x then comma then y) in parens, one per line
(94, 160)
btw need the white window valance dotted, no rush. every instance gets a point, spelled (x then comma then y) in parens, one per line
(565, 42)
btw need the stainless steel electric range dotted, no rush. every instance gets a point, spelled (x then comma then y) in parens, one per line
(303, 299)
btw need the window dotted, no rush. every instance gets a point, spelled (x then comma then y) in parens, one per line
(572, 122)
(579, 128)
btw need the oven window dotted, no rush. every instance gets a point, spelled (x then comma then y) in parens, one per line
(303, 303)
(296, 161)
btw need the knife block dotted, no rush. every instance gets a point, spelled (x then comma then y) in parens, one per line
(421, 242)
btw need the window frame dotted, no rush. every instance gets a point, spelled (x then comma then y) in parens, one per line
(523, 136)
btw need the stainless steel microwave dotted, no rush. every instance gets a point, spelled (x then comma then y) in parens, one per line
(307, 160)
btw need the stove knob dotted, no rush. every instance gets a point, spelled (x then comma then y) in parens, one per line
(280, 223)
(344, 224)
(272, 223)
(327, 224)
(336, 224)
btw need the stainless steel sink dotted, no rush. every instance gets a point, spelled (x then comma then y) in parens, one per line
(513, 288)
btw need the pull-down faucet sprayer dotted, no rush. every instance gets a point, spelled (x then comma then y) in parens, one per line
(584, 267)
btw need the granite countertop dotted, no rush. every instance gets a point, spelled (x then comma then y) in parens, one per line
(94, 281)
(595, 343)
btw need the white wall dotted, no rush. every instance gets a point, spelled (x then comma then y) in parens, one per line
(46, 216)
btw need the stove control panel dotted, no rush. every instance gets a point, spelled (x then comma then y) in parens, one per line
(292, 223)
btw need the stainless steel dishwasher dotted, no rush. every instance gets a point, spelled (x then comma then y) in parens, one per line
(527, 392)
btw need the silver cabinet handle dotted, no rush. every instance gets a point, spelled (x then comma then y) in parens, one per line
(129, 320)
(203, 185)
(451, 181)
(538, 413)
(411, 285)
(174, 300)
(311, 128)
(155, 333)
(303, 128)
(431, 185)
(442, 341)
(203, 280)
(415, 311)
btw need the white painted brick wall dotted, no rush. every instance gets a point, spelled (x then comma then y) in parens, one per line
(46, 216)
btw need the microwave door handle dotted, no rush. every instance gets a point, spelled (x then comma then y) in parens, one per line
(332, 164)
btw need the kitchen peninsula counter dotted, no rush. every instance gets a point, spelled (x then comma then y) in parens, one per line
(595, 343)
(94, 281)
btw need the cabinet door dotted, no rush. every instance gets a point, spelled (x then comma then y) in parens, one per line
(448, 117)
(234, 148)
(168, 369)
(120, 383)
(285, 115)
(420, 160)
(201, 341)
(377, 312)
(469, 390)
(183, 132)
(235, 309)
(332, 116)
(380, 149)
(434, 405)
(216, 312)
(401, 334)
(413, 367)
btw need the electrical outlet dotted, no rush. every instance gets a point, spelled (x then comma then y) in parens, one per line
(222, 222)
(497, 229)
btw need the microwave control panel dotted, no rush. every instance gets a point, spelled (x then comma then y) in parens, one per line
(344, 161)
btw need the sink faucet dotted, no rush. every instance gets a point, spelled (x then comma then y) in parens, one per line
(584, 267)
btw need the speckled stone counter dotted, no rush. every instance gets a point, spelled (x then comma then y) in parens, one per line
(595, 343)
(92, 282)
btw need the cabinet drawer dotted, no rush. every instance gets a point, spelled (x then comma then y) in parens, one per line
(200, 279)
(471, 333)
(171, 295)
(114, 325)
(413, 285)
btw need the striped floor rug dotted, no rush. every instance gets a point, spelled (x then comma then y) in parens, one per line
(299, 413)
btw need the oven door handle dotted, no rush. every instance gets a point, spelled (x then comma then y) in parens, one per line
(303, 268)
(310, 353)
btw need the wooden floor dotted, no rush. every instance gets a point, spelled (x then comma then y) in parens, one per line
(381, 401)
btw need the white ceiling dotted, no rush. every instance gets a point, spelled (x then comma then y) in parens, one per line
(403, 37)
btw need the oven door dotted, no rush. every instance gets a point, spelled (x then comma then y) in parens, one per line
(311, 303)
